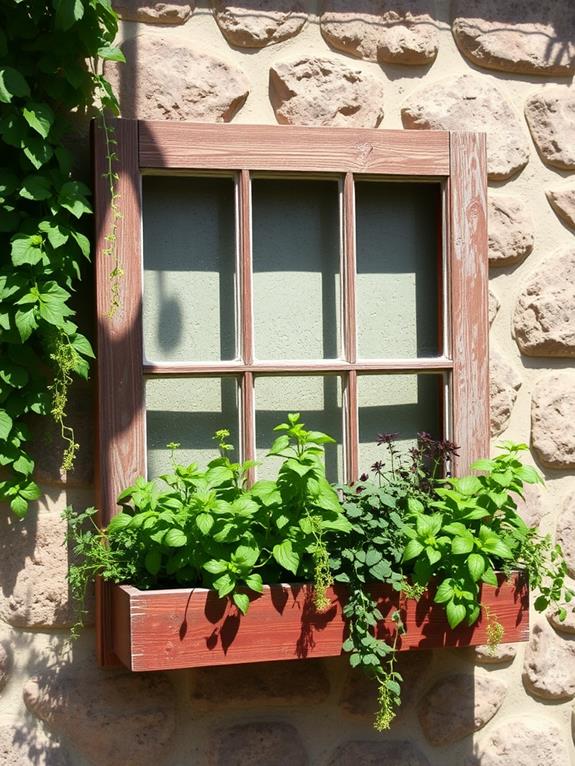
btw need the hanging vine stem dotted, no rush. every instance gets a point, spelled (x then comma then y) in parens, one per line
(111, 238)
(66, 360)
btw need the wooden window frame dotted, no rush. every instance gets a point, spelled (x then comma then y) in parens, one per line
(456, 159)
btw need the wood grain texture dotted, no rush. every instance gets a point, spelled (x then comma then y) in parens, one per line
(121, 455)
(187, 628)
(468, 267)
(184, 146)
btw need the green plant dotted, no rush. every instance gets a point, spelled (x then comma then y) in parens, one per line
(49, 79)
(206, 527)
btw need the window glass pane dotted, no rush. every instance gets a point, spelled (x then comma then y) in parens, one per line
(189, 268)
(397, 269)
(296, 253)
(188, 411)
(317, 399)
(402, 404)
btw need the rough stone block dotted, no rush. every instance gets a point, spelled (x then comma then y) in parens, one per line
(493, 306)
(257, 23)
(256, 744)
(378, 754)
(502, 654)
(528, 741)
(566, 531)
(530, 37)
(504, 384)
(111, 718)
(562, 200)
(174, 82)
(553, 419)
(544, 317)
(322, 91)
(268, 683)
(467, 102)
(171, 13)
(551, 118)
(549, 669)
(510, 230)
(392, 31)
(458, 705)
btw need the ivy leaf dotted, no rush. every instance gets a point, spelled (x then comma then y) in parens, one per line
(111, 53)
(73, 197)
(12, 84)
(30, 491)
(23, 464)
(57, 235)
(26, 249)
(8, 183)
(83, 243)
(19, 506)
(5, 424)
(36, 188)
(39, 117)
(52, 304)
(455, 614)
(286, 557)
(68, 12)
(241, 601)
(9, 218)
(82, 345)
(38, 151)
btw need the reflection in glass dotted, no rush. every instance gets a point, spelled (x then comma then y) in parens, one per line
(188, 411)
(317, 399)
(402, 404)
(189, 268)
(397, 270)
(296, 254)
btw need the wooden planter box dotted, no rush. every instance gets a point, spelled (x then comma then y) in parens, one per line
(192, 627)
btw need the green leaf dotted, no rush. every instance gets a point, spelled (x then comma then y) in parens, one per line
(483, 465)
(224, 585)
(497, 547)
(468, 485)
(57, 235)
(286, 557)
(475, 566)
(39, 117)
(455, 614)
(18, 505)
(279, 444)
(38, 151)
(215, 567)
(68, 12)
(444, 592)
(204, 522)
(12, 84)
(254, 581)
(460, 545)
(489, 577)
(119, 521)
(26, 249)
(73, 197)
(82, 345)
(82, 242)
(153, 561)
(241, 601)
(412, 549)
(8, 183)
(175, 538)
(111, 53)
(5, 424)
(36, 188)
(541, 603)
(31, 491)
(52, 303)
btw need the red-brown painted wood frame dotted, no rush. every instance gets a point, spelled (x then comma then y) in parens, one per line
(185, 628)
(456, 159)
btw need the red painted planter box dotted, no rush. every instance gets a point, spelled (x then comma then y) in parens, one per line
(192, 627)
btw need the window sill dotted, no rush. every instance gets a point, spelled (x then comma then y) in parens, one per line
(192, 627)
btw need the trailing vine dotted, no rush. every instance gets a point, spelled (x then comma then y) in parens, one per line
(50, 51)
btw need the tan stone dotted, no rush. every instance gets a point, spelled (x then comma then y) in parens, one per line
(30, 746)
(493, 306)
(504, 384)
(510, 230)
(551, 118)
(309, 90)
(5, 666)
(531, 507)
(544, 318)
(359, 695)
(393, 31)
(175, 82)
(116, 718)
(458, 705)
(467, 102)
(255, 744)
(565, 534)
(268, 683)
(562, 200)
(549, 668)
(256, 23)
(529, 741)
(530, 37)
(400, 753)
(174, 12)
(568, 624)
(553, 419)
(501, 654)
(33, 569)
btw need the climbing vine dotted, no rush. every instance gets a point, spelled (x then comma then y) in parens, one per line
(50, 54)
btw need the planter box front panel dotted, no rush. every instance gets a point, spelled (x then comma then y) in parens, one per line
(185, 628)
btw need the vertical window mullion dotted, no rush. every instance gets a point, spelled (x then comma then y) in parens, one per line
(351, 431)
(248, 422)
(248, 446)
(352, 427)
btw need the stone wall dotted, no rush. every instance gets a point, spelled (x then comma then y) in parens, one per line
(495, 65)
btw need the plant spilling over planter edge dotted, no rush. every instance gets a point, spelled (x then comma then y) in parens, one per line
(410, 530)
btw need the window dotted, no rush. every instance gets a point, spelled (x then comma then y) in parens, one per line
(335, 272)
